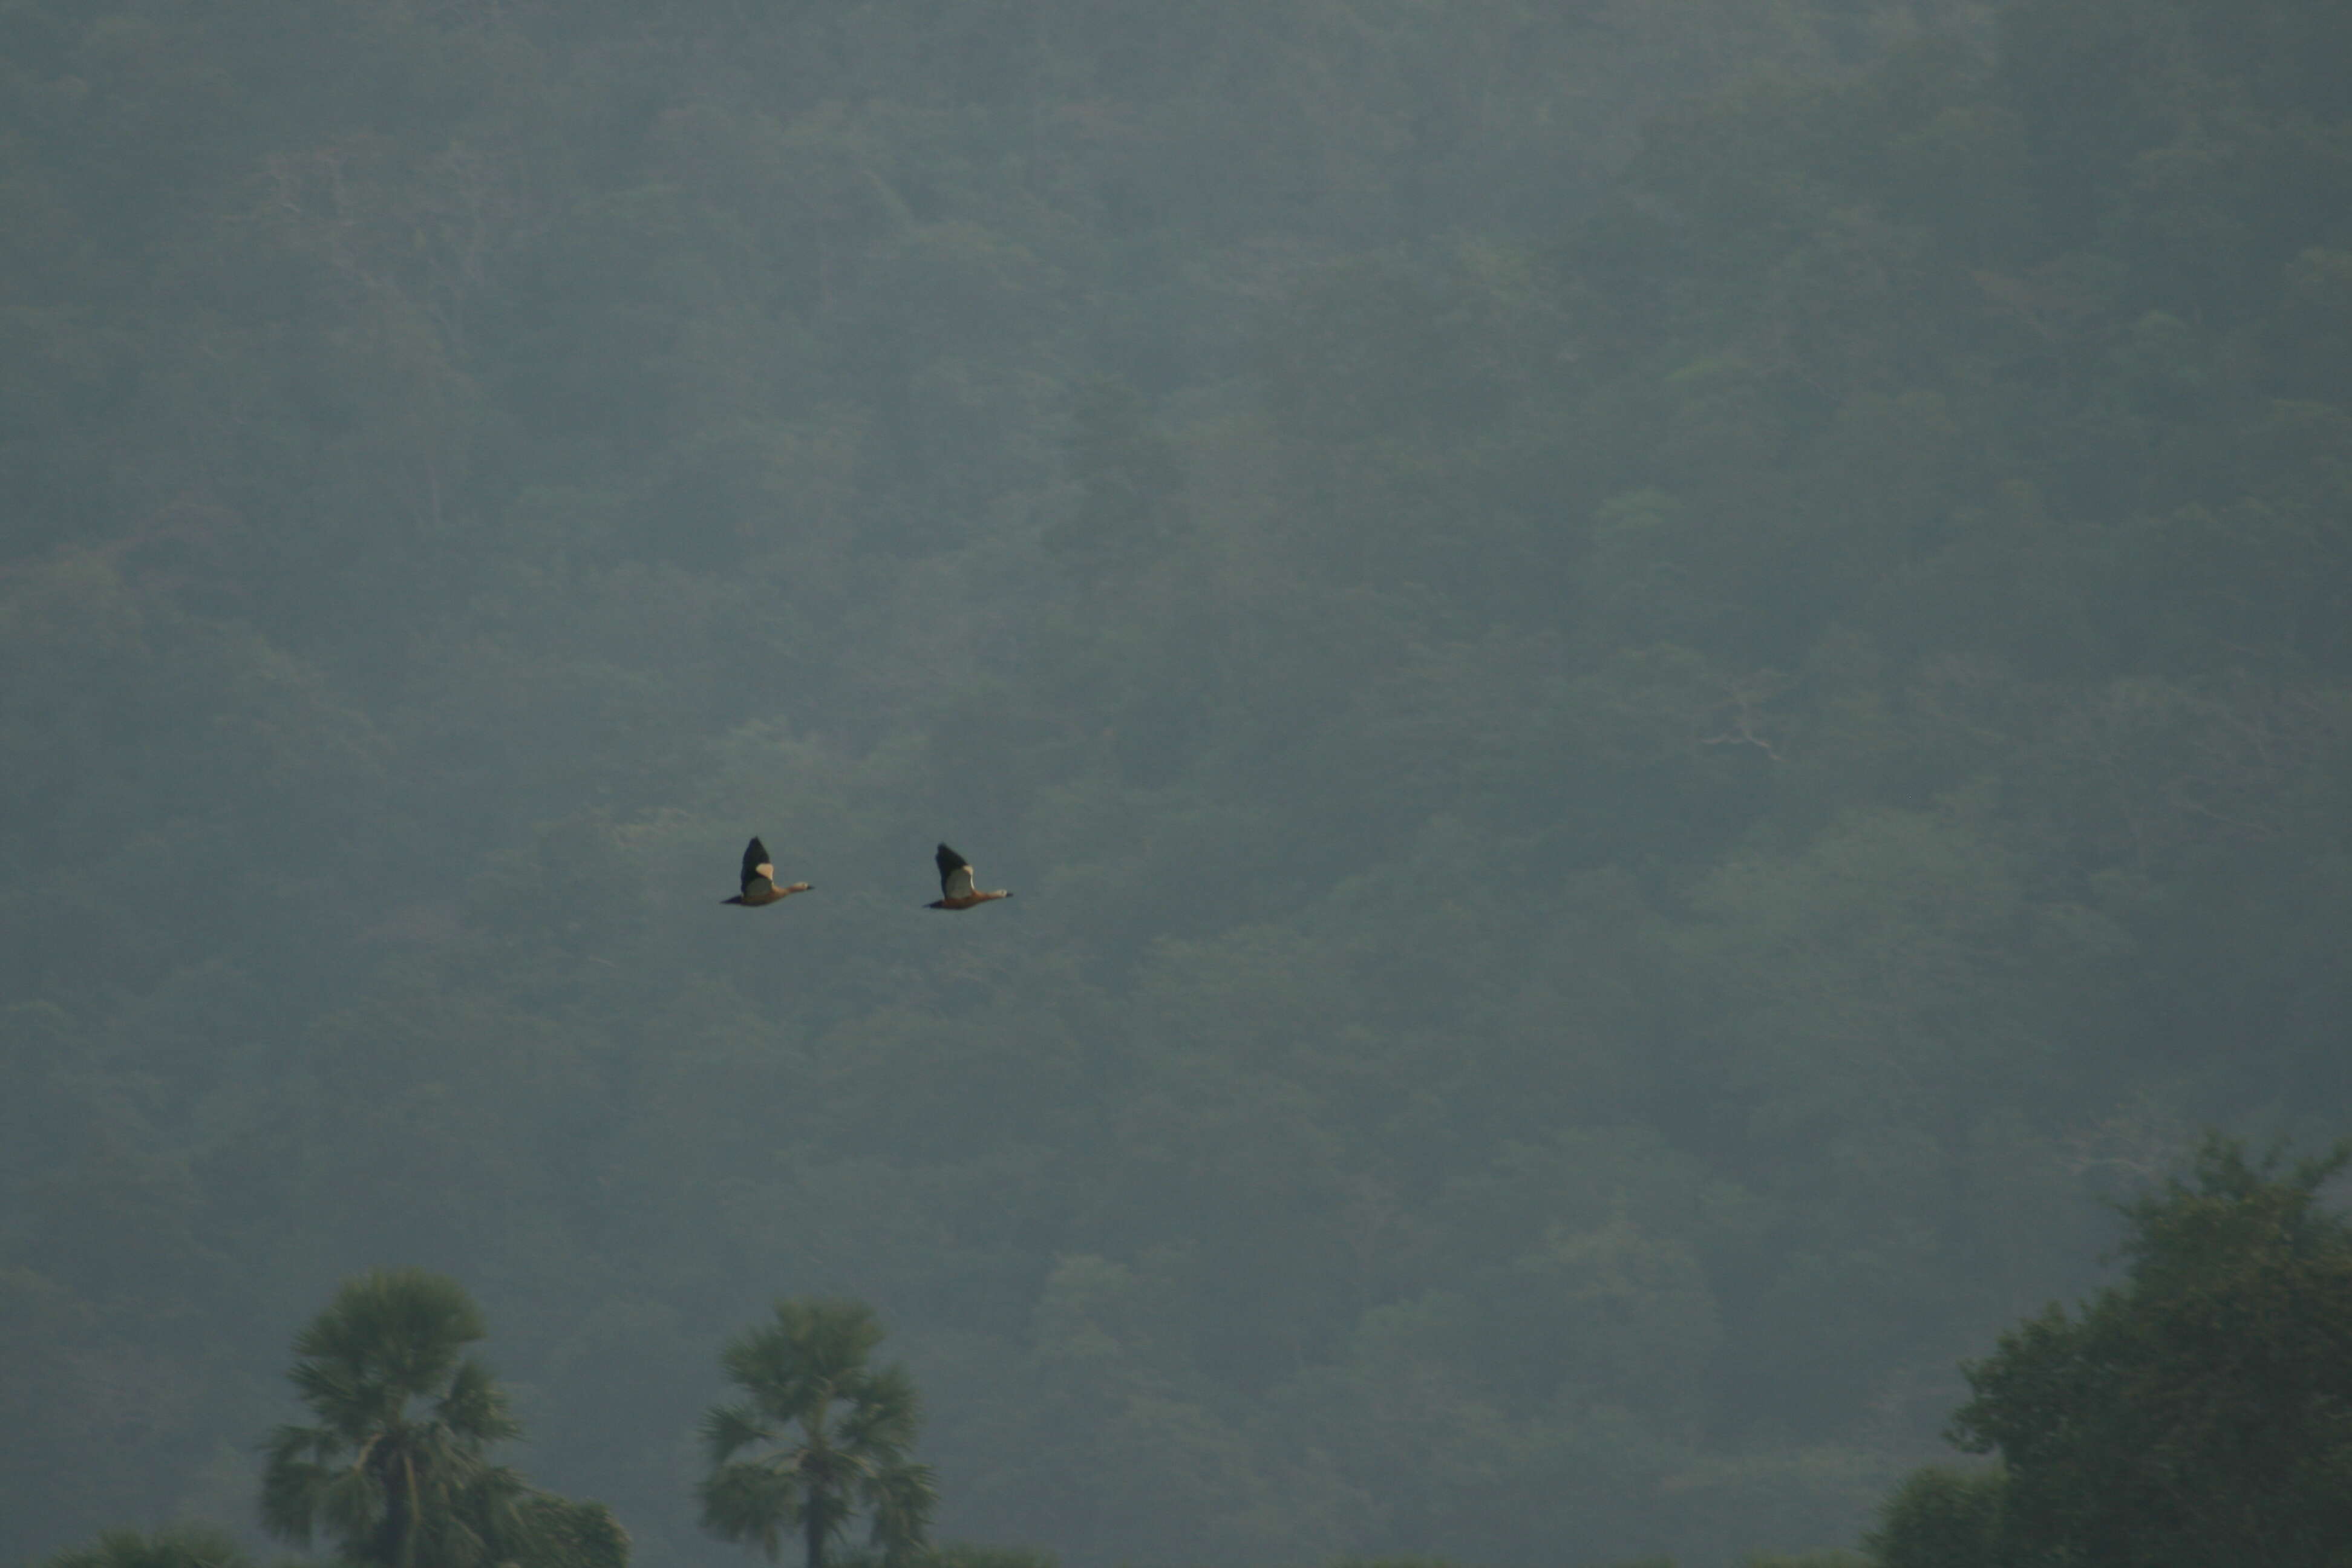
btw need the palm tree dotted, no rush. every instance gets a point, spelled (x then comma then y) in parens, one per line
(395, 1469)
(822, 1437)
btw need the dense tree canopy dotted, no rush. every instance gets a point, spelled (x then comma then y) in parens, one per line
(179, 1546)
(1663, 682)
(2199, 1413)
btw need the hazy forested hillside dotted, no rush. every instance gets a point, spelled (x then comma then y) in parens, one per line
(1660, 683)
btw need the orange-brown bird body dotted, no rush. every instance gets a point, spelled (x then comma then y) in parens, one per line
(956, 891)
(760, 880)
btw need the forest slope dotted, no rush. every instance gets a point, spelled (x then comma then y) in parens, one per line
(1634, 772)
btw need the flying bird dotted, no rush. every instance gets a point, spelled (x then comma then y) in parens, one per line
(956, 891)
(760, 880)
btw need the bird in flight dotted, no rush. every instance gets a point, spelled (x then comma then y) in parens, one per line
(760, 880)
(956, 891)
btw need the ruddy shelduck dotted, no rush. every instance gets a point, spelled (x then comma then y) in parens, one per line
(956, 891)
(760, 880)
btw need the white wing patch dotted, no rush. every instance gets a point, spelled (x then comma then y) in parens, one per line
(959, 882)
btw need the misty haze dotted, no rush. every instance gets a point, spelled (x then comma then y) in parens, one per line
(1666, 689)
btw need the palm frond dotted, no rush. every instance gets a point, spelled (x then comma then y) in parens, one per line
(396, 1470)
(906, 1496)
(751, 1502)
(727, 1429)
(475, 1407)
(819, 1437)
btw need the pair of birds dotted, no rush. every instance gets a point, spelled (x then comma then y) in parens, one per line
(956, 891)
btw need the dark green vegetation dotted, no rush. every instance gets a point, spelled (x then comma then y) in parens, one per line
(397, 1472)
(1632, 773)
(822, 1437)
(2201, 1413)
(181, 1546)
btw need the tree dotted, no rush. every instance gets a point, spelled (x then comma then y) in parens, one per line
(968, 1554)
(543, 1530)
(1942, 1518)
(1131, 484)
(822, 1438)
(178, 1546)
(396, 1468)
(2199, 1413)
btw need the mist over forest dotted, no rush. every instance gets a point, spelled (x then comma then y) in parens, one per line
(1666, 688)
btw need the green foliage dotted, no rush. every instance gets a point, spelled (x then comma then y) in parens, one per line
(971, 1554)
(548, 1532)
(1661, 678)
(177, 1546)
(1131, 484)
(395, 1470)
(2194, 1413)
(821, 1438)
(1944, 1518)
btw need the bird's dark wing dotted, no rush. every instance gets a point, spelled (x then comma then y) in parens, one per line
(755, 864)
(949, 863)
